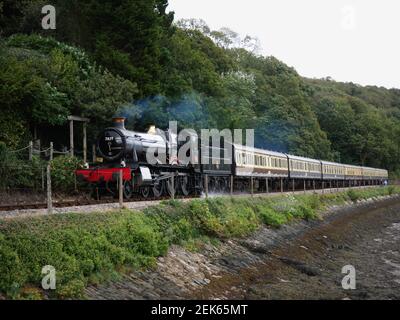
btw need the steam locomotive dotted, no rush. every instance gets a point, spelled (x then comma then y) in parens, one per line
(244, 167)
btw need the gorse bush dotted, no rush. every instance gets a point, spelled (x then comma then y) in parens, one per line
(89, 248)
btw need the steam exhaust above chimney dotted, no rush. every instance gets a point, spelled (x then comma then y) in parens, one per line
(119, 122)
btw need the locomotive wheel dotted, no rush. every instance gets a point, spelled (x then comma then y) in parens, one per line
(145, 192)
(158, 189)
(168, 186)
(184, 185)
(128, 190)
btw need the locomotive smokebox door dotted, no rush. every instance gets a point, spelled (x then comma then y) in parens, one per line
(145, 176)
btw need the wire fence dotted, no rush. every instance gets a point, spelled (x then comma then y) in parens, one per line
(25, 178)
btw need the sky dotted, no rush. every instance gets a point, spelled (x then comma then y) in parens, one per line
(349, 40)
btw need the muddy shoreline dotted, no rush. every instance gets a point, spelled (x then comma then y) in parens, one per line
(302, 260)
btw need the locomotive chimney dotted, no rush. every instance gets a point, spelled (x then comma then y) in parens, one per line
(119, 123)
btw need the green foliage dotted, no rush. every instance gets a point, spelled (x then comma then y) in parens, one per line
(89, 248)
(272, 218)
(77, 246)
(17, 173)
(44, 81)
(361, 129)
(63, 173)
(102, 57)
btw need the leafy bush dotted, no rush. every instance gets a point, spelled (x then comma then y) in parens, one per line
(78, 246)
(272, 218)
(354, 195)
(63, 173)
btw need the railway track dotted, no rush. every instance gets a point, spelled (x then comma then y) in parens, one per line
(89, 202)
(82, 202)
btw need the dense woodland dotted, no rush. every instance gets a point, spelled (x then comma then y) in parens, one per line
(130, 57)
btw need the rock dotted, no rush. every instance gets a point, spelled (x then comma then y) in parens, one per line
(302, 267)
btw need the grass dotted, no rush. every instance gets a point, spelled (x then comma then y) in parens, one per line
(88, 249)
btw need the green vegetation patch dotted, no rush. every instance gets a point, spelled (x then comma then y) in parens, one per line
(90, 248)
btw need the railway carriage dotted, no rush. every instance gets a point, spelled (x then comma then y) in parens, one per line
(333, 171)
(374, 174)
(304, 168)
(353, 172)
(259, 163)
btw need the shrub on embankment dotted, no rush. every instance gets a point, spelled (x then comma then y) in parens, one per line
(88, 248)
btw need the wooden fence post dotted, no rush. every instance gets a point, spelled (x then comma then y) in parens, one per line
(84, 143)
(49, 200)
(206, 185)
(121, 189)
(71, 137)
(94, 157)
(281, 185)
(252, 186)
(267, 186)
(42, 178)
(30, 150)
(173, 187)
(231, 185)
(51, 151)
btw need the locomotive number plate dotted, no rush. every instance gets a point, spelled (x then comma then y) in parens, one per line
(99, 159)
